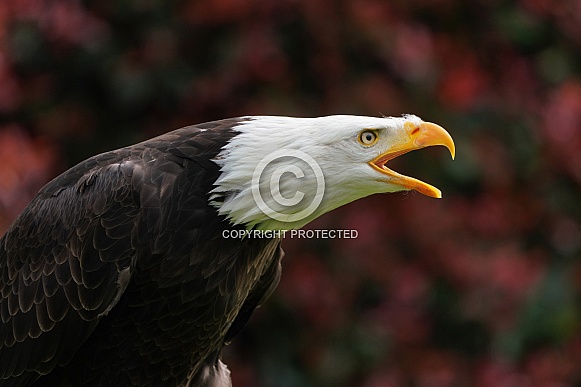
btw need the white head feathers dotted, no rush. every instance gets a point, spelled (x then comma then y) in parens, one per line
(283, 172)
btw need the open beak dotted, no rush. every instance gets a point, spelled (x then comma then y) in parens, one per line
(416, 137)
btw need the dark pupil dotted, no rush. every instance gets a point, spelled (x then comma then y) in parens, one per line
(368, 137)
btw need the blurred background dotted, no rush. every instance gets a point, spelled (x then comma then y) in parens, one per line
(480, 288)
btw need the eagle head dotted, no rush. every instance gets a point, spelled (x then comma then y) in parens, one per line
(280, 173)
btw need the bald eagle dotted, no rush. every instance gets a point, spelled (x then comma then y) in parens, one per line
(121, 271)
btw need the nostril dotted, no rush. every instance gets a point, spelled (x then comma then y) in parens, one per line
(415, 131)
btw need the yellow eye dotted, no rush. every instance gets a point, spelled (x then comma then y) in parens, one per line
(368, 137)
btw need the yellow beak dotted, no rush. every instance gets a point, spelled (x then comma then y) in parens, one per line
(416, 137)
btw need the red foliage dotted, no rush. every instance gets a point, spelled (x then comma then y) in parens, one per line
(25, 165)
(562, 128)
(463, 83)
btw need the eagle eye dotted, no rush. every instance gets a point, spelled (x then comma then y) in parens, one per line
(368, 137)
